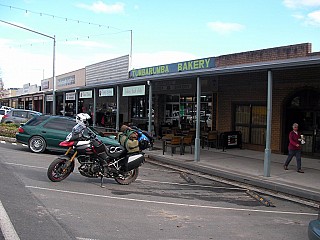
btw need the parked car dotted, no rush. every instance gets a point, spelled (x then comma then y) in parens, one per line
(46, 132)
(19, 116)
(6, 108)
(3, 112)
(314, 229)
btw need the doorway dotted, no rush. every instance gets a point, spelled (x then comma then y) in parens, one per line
(304, 108)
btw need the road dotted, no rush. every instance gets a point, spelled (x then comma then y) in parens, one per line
(161, 204)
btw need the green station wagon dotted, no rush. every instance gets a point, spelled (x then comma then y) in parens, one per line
(46, 132)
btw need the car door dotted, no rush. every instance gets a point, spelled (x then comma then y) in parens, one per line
(55, 131)
(19, 116)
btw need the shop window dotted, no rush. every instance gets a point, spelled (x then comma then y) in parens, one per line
(181, 110)
(252, 122)
(139, 107)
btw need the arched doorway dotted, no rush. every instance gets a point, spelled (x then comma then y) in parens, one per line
(304, 108)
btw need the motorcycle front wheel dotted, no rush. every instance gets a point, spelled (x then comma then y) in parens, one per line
(58, 170)
(128, 177)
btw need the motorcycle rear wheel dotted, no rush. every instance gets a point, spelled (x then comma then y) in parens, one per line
(128, 177)
(57, 170)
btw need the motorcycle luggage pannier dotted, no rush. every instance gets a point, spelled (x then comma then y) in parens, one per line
(133, 161)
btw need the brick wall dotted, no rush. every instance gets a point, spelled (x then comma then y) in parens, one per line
(252, 88)
(265, 55)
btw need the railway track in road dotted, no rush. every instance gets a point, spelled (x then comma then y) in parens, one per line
(245, 187)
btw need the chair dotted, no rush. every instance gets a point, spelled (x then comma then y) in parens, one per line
(187, 142)
(173, 144)
(209, 139)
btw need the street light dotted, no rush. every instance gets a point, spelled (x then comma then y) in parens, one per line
(54, 60)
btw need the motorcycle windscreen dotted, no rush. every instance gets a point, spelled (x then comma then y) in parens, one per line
(76, 132)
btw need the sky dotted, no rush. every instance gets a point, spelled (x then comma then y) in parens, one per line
(156, 32)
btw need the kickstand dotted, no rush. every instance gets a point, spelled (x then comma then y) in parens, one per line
(102, 181)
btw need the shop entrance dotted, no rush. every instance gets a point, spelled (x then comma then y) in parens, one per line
(304, 109)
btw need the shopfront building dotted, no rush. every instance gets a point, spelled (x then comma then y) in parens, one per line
(234, 95)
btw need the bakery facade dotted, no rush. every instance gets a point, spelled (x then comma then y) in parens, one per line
(231, 90)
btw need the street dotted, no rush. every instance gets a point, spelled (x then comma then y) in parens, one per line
(161, 204)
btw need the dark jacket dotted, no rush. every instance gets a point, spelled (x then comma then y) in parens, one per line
(293, 141)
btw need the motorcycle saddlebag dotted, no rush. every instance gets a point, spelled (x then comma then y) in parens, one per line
(133, 161)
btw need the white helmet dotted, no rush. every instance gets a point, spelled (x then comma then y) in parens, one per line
(82, 118)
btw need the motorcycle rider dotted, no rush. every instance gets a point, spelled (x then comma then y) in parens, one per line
(82, 120)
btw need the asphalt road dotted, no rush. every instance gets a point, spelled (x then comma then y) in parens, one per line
(161, 204)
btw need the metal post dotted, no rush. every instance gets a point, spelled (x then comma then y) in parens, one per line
(77, 101)
(197, 140)
(64, 104)
(54, 77)
(267, 152)
(54, 58)
(118, 109)
(150, 107)
(94, 112)
(131, 43)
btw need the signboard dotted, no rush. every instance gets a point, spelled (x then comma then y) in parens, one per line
(45, 85)
(86, 94)
(49, 98)
(192, 65)
(70, 96)
(107, 92)
(66, 81)
(133, 91)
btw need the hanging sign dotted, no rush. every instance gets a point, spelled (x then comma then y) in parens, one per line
(86, 94)
(107, 92)
(133, 91)
(70, 96)
(49, 98)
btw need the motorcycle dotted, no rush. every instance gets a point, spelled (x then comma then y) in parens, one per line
(95, 158)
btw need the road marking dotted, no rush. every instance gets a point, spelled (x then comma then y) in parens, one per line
(23, 165)
(171, 203)
(145, 180)
(6, 225)
(14, 143)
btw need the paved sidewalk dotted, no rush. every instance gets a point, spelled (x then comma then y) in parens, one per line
(246, 166)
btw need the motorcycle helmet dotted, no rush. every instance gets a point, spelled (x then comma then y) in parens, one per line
(83, 119)
(144, 144)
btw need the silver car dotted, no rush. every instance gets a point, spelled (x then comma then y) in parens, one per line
(19, 116)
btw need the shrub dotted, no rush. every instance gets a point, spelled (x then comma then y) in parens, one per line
(8, 130)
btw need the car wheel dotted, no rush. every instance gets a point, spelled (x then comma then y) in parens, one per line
(37, 144)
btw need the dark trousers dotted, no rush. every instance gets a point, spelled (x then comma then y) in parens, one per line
(297, 154)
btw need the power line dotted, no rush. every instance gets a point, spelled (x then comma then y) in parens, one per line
(63, 18)
(68, 39)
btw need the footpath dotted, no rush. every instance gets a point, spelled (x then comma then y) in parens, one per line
(247, 166)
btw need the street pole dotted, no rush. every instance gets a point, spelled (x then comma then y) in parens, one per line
(54, 77)
(54, 50)
(267, 152)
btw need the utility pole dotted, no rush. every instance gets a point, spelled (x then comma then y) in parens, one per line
(54, 53)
